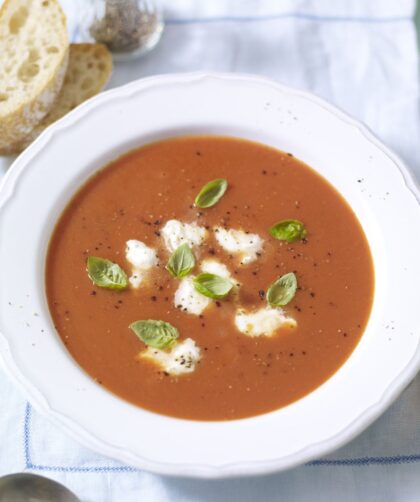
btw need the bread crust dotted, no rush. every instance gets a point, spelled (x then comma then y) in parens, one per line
(18, 122)
(90, 54)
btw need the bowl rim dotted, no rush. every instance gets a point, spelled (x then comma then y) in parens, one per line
(234, 469)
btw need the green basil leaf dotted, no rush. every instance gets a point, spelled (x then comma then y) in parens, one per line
(288, 230)
(181, 262)
(106, 274)
(282, 291)
(156, 334)
(211, 193)
(212, 286)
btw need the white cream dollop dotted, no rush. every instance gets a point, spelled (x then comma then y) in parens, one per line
(188, 299)
(183, 357)
(175, 233)
(265, 321)
(212, 266)
(142, 258)
(215, 267)
(239, 242)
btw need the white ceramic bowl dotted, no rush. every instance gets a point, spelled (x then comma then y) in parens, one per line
(371, 178)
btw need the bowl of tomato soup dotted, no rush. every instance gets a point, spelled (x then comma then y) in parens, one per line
(203, 277)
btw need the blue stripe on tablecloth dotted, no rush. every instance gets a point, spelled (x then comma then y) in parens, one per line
(275, 17)
(289, 15)
(30, 464)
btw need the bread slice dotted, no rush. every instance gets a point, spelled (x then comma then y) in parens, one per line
(33, 62)
(88, 71)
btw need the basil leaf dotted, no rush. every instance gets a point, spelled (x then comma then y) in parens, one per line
(282, 291)
(181, 262)
(156, 334)
(288, 230)
(106, 274)
(212, 286)
(211, 193)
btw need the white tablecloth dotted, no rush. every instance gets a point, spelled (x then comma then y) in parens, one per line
(362, 56)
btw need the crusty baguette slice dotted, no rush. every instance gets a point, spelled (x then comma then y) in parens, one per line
(88, 71)
(33, 62)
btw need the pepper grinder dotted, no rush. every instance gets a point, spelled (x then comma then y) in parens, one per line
(129, 28)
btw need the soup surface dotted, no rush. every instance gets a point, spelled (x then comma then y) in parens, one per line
(243, 356)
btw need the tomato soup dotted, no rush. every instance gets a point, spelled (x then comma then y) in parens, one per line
(209, 278)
